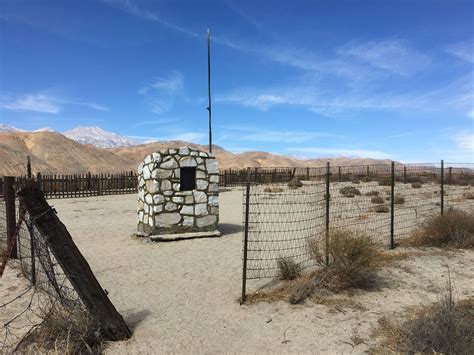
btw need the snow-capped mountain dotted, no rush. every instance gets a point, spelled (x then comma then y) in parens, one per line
(8, 128)
(98, 137)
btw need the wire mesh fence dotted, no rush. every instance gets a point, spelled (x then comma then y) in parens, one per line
(387, 202)
(43, 308)
(44, 298)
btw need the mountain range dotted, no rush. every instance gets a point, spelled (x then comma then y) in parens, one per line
(91, 149)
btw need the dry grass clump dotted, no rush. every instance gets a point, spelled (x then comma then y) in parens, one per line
(295, 183)
(288, 269)
(380, 209)
(273, 189)
(446, 327)
(63, 331)
(455, 228)
(349, 191)
(416, 185)
(372, 193)
(377, 199)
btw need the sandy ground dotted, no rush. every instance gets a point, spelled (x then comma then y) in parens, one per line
(182, 296)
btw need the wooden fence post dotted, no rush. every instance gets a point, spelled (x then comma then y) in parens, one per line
(75, 267)
(10, 210)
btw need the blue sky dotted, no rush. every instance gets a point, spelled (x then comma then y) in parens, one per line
(382, 79)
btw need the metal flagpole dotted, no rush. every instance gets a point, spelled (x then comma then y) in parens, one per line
(209, 86)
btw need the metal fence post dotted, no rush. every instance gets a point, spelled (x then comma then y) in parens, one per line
(328, 197)
(442, 187)
(450, 176)
(404, 174)
(28, 167)
(392, 207)
(307, 174)
(10, 211)
(246, 239)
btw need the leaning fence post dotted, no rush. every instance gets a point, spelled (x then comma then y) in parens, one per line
(328, 197)
(392, 207)
(75, 267)
(442, 187)
(246, 238)
(10, 211)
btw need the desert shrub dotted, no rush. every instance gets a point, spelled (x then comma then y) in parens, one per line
(356, 182)
(288, 269)
(399, 199)
(372, 193)
(295, 183)
(352, 257)
(468, 195)
(446, 327)
(349, 191)
(273, 189)
(385, 180)
(454, 228)
(415, 178)
(416, 185)
(377, 199)
(380, 209)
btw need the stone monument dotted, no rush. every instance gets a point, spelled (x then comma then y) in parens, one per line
(178, 195)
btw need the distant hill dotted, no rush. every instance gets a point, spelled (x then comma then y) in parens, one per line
(53, 153)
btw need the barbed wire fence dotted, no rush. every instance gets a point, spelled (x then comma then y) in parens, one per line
(387, 202)
(43, 308)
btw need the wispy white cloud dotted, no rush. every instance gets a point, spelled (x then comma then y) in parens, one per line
(193, 137)
(285, 136)
(463, 50)
(470, 114)
(156, 122)
(34, 103)
(42, 103)
(130, 7)
(160, 94)
(400, 135)
(339, 152)
(391, 55)
(314, 99)
(464, 141)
